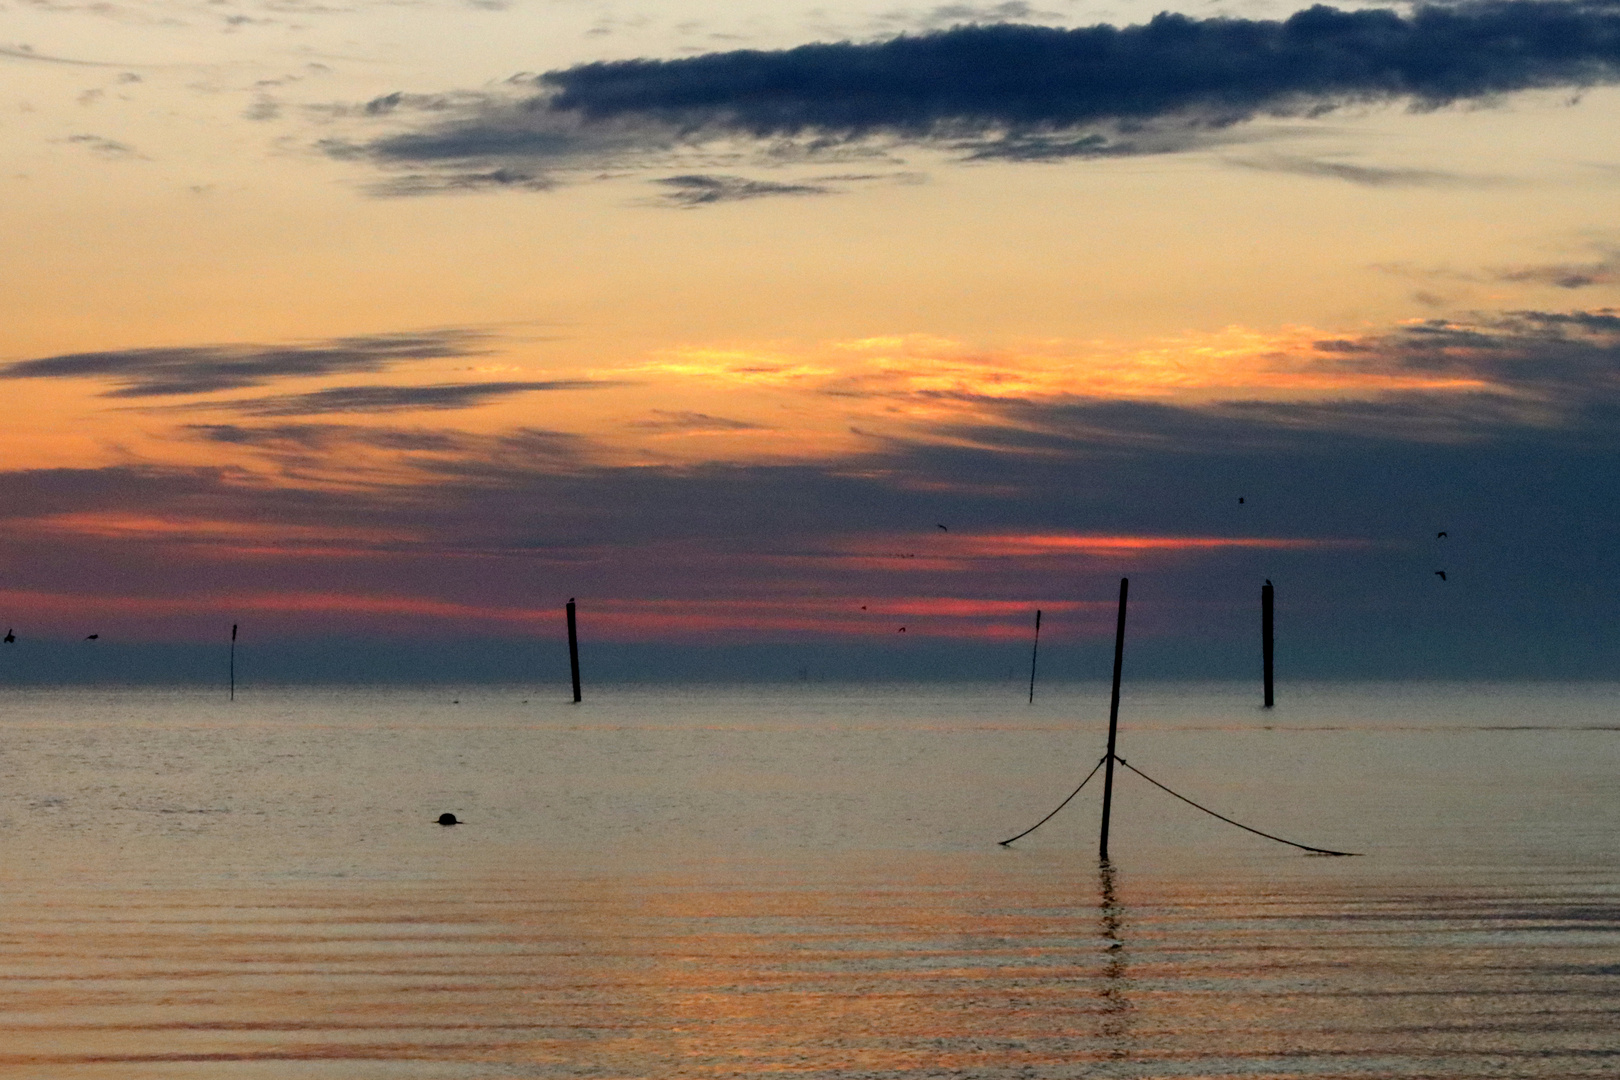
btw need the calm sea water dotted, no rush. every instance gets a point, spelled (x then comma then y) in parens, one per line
(805, 880)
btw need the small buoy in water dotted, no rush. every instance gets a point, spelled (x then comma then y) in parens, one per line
(448, 819)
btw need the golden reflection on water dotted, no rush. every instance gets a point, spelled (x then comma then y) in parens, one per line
(961, 966)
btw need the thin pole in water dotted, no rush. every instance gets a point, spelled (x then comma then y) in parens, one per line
(1113, 716)
(573, 649)
(1033, 653)
(233, 661)
(1266, 637)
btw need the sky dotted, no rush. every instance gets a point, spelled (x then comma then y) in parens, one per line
(834, 338)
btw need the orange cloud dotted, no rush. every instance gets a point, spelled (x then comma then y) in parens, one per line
(955, 551)
(237, 535)
(1081, 544)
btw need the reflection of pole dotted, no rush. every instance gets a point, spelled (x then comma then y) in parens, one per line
(233, 661)
(1113, 715)
(573, 649)
(1266, 639)
(1033, 653)
(1116, 1007)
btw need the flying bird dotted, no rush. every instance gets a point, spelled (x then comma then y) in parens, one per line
(91, 637)
(1442, 574)
(1441, 535)
(901, 630)
(10, 637)
(937, 525)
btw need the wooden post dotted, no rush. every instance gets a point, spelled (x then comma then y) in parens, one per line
(233, 661)
(1266, 640)
(1033, 653)
(573, 649)
(1113, 716)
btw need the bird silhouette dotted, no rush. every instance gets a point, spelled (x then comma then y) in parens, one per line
(1441, 535)
(10, 637)
(901, 630)
(1240, 500)
(863, 607)
(1442, 574)
(91, 637)
(1268, 581)
(937, 525)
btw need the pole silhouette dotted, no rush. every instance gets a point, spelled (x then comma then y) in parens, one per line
(233, 661)
(1033, 653)
(1266, 637)
(573, 649)
(1113, 717)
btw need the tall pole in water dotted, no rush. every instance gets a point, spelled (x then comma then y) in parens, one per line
(233, 661)
(573, 649)
(1266, 640)
(1033, 653)
(1113, 717)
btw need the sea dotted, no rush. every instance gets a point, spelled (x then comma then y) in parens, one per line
(806, 881)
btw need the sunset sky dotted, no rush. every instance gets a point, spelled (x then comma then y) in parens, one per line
(786, 326)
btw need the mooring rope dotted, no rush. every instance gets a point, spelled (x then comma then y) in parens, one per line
(1223, 817)
(1060, 805)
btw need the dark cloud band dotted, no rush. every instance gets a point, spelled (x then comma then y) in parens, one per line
(1040, 78)
(999, 91)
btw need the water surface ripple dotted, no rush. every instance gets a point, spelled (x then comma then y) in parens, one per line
(744, 882)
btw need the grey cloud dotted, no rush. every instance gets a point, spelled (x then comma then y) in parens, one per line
(203, 369)
(1365, 175)
(264, 107)
(26, 52)
(449, 182)
(695, 190)
(327, 437)
(1605, 271)
(692, 423)
(942, 16)
(383, 399)
(105, 147)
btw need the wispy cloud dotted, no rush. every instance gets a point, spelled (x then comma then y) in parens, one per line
(1569, 275)
(668, 422)
(695, 190)
(26, 52)
(201, 369)
(1364, 175)
(386, 399)
(103, 147)
(451, 182)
